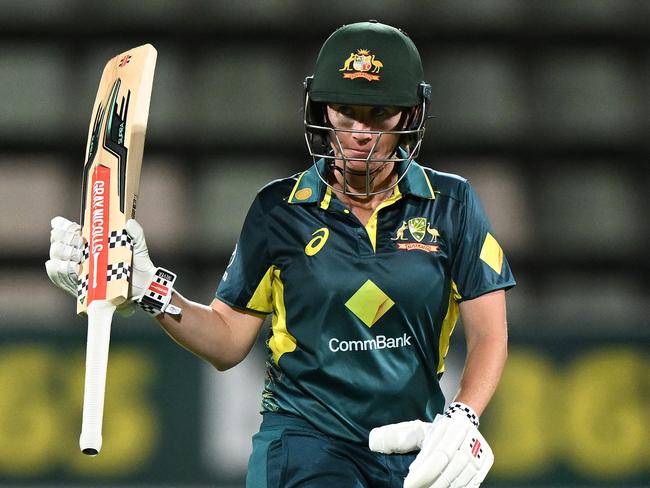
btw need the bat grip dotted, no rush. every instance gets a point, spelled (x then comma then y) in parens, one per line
(100, 315)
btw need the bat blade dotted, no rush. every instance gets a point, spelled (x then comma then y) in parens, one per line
(111, 174)
(110, 184)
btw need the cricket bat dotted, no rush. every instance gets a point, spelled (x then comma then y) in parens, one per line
(110, 182)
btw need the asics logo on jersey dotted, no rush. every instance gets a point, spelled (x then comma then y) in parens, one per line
(317, 243)
(378, 343)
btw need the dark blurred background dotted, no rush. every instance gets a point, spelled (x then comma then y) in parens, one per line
(543, 105)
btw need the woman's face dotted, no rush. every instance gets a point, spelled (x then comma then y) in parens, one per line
(355, 147)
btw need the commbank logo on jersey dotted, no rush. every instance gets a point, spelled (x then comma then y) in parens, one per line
(419, 230)
(376, 343)
(362, 64)
(369, 303)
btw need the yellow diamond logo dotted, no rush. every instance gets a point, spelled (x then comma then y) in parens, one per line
(492, 254)
(369, 303)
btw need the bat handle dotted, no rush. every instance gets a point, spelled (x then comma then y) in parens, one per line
(100, 314)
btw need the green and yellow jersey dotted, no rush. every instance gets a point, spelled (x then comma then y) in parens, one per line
(362, 315)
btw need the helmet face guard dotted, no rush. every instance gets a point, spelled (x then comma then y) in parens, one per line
(365, 64)
(324, 143)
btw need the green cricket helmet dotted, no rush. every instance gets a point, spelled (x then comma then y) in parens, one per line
(370, 64)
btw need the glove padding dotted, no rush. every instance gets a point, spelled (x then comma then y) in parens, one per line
(143, 268)
(66, 254)
(453, 453)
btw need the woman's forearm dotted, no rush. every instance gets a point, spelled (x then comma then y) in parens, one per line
(486, 332)
(219, 334)
(483, 368)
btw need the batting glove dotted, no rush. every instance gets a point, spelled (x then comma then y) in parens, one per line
(66, 255)
(453, 453)
(151, 287)
(143, 268)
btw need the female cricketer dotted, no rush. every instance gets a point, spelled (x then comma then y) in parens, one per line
(364, 261)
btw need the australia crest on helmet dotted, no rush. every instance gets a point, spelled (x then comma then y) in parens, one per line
(362, 64)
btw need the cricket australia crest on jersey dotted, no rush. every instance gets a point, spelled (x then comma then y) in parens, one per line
(419, 230)
(362, 64)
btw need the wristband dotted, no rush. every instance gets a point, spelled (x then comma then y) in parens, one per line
(457, 409)
(158, 295)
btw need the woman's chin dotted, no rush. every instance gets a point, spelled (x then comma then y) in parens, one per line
(356, 182)
(358, 168)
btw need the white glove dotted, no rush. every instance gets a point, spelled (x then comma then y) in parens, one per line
(66, 254)
(143, 268)
(453, 453)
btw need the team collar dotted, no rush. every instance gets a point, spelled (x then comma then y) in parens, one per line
(310, 189)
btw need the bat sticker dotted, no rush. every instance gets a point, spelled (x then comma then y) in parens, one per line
(114, 136)
(92, 152)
